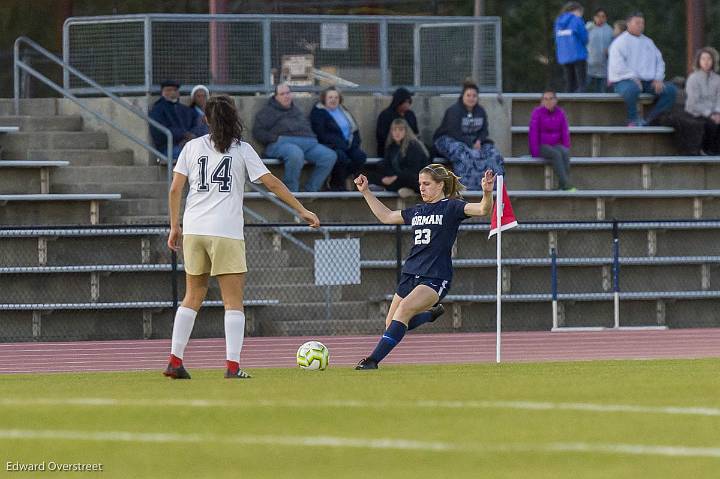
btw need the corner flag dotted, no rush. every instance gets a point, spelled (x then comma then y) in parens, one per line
(504, 217)
(508, 216)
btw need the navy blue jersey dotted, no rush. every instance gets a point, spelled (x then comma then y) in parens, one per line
(435, 227)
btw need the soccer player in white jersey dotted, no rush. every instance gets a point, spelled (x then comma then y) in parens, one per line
(216, 166)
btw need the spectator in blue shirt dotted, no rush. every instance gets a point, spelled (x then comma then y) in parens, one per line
(337, 129)
(571, 37)
(178, 118)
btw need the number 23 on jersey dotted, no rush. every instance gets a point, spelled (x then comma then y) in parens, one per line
(422, 236)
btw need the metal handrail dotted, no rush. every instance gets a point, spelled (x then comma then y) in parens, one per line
(18, 65)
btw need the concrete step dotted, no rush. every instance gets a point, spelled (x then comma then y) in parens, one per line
(19, 181)
(323, 327)
(44, 123)
(46, 213)
(29, 106)
(528, 206)
(108, 174)
(343, 310)
(609, 144)
(16, 145)
(135, 207)
(84, 157)
(150, 189)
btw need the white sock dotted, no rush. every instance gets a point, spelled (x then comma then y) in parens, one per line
(184, 321)
(234, 334)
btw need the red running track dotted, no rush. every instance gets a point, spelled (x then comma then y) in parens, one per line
(347, 350)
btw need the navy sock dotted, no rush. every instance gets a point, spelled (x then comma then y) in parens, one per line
(419, 319)
(392, 336)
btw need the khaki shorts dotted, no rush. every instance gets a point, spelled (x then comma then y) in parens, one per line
(213, 254)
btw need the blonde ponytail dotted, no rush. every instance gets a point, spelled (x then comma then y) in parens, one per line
(451, 182)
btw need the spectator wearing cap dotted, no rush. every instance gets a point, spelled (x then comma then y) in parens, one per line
(198, 98)
(178, 118)
(635, 66)
(286, 133)
(400, 107)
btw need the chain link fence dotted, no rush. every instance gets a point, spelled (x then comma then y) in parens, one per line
(123, 283)
(251, 53)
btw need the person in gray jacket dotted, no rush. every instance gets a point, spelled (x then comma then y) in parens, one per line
(286, 133)
(600, 36)
(703, 97)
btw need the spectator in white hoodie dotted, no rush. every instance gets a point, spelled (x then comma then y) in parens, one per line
(636, 66)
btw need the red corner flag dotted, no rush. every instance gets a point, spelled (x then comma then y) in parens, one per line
(508, 217)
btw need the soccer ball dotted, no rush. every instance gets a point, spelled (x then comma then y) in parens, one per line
(313, 356)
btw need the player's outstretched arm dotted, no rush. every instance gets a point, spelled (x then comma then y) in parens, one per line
(381, 212)
(484, 208)
(273, 184)
(174, 198)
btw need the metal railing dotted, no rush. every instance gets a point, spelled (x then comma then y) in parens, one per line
(249, 53)
(20, 66)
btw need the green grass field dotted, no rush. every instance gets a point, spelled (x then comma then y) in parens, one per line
(609, 419)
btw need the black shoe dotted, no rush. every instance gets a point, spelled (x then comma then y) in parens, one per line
(240, 374)
(436, 312)
(367, 363)
(176, 373)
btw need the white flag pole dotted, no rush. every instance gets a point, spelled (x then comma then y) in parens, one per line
(499, 209)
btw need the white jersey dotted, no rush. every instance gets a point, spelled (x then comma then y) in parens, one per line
(214, 205)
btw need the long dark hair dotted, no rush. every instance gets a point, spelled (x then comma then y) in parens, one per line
(224, 123)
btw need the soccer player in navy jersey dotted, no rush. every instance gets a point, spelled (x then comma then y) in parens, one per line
(427, 273)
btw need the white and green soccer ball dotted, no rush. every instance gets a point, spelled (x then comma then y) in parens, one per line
(313, 356)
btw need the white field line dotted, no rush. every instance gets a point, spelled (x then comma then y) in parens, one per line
(358, 443)
(422, 404)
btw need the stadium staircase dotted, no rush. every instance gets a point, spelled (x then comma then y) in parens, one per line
(622, 174)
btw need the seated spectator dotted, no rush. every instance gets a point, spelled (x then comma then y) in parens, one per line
(462, 138)
(635, 66)
(337, 129)
(600, 35)
(549, 137)
(703, 97)
(570, 40)
(286, 133)
(405, 156)
(198, 98)
(399, 108)
(178, 118)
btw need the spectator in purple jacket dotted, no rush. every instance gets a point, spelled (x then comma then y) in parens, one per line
(549, 137)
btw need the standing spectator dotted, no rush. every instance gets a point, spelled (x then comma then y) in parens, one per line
(198, 99)
(549, 137)
(462, 137)
(636, 66)
(178, 118)
(404, 157)
(337, 129)
(287, 134)
(703, 97)
(570, 40)
(400, 107)
(600, 35)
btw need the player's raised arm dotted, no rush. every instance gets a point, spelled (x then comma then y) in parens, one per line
(273, 184)
(484, 208)
(381, 212)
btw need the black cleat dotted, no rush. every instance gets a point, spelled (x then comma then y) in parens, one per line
(367, 363)
(176, 373)
(436, 312)
(240, 374)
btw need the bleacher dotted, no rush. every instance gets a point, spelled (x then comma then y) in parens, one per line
(55, 173)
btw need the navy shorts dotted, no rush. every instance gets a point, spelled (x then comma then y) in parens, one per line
(409, 281)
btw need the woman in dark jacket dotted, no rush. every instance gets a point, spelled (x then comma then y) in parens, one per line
(404, 157)
(463, 139)
(399, 108)
(336, 128)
